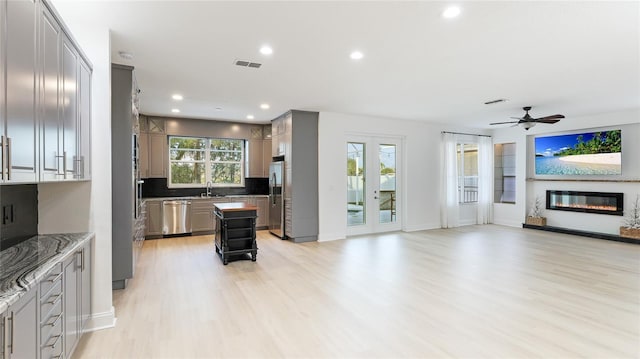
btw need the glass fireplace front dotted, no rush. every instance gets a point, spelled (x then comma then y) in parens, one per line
(589, 202)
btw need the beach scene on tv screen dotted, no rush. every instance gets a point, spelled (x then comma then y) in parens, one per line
(589, 153)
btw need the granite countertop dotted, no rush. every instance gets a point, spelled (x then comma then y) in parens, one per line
(23, 265)
(198, 197)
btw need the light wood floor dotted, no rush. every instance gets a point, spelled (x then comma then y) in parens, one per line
(477, 291)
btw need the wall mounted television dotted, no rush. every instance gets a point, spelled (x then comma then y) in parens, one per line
(586, 153)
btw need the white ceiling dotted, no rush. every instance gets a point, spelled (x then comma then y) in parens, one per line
(573, 58)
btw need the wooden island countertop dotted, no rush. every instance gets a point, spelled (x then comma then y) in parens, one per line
(235, 206)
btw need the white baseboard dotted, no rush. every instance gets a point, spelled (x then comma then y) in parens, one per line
(104, 320)
(467, 222)
(326, 237)
(421, 227)
(508, 223)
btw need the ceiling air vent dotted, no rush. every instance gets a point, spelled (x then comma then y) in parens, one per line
(495, 101)
(245, 63)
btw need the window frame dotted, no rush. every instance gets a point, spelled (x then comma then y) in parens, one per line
(207, 161)
(460, 149)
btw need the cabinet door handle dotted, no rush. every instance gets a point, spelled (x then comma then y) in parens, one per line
(8, 158)
(55, 342)
(64, 164)
(57, 276)
(11, 332)
(55, 321)
(52, 301)
(2, 159)
(58, 157)
(82, 260)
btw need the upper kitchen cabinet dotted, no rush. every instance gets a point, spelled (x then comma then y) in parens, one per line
(83, 161)
(46, 114)
(18, 128)
(153, 148)
(257, 144)
(278, 131)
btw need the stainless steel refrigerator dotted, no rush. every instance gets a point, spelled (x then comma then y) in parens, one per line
(276, 199)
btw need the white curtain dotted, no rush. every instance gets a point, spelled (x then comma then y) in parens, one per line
(485, 180)
(449, 207)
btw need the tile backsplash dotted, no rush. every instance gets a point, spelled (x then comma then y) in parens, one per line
(18, 214)
(157, 187)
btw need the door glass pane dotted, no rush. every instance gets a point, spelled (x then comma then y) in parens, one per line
(387, 190)
(355, 184)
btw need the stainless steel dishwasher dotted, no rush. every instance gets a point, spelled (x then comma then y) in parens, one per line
(176, 217)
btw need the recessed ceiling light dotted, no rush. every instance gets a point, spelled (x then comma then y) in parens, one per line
(250, 117)
(356, 55)
(177, 97)
(264, 106)
(451, 12)
(125, 55)
(175, 110)
(266, 50)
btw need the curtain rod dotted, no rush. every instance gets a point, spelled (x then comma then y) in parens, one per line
(462, 133)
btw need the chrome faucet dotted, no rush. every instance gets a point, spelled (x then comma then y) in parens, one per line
(209, 185)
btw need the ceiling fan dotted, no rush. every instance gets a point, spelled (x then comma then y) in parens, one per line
(527, 121)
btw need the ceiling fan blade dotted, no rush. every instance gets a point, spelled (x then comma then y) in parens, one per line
(549, 117)
(516, 118)
(546, 120)
(503, 123)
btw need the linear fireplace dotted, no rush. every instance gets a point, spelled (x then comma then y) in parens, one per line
(590, 202)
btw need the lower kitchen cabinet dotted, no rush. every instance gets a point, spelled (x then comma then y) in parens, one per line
(21, 324)
(202, 218)
(154, 218)
(48, 320)
(262, 222)
(76, 294)
(86, 267)
(51, 314)
(70, 303)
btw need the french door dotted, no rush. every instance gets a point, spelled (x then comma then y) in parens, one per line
(373, 184)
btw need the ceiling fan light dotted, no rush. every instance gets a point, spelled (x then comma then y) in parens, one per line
(527, 125)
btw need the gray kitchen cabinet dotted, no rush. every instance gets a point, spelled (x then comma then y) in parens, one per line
(278, 131)
(154, 218)
(70, 299)
(158, 153)
(143, 160)
(123, 181)
(70, 63)
(21, 325)
(76, 296)
(65, 103)
(86, 267)
(50, 127)
(256, 163)
(266, 157)
(19, 70)
(262, 222)
(83, 161)
(298, 140)
(153, 148)
(202, 218)
(45, 115)
(2, 328)
(51, 313)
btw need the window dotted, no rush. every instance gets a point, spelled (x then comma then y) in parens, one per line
(467, 154)
(194, 161)
(505, 173)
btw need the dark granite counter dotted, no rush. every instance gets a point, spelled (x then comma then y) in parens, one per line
(23, 265)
